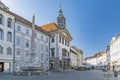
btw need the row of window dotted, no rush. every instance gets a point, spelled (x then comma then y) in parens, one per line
(18, 53)
(27, 44)
(63, 53)
(28, 33)
(9, 50)
(63, 41)
(9, 35)
(9, 21)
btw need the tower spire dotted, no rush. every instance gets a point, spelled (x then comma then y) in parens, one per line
(61, 19)
(60, 5)
(60, 11)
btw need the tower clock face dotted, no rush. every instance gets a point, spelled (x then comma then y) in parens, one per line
(60, 19)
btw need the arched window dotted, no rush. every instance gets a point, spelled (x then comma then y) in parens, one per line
(1, 34)
(9, 51)
(1, 19)
(9, 36)
(9, 22)
(1, 49)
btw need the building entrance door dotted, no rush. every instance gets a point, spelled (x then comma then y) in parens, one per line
(1, 66)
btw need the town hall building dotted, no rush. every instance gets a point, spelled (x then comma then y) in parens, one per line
(60, 39)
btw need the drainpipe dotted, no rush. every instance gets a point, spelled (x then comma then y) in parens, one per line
(14, 49)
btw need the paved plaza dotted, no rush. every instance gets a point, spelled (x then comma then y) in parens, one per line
(71, 75)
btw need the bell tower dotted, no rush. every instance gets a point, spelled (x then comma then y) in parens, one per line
(61, 19)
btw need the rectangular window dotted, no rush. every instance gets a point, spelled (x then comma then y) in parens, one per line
(9, 51)
(18, 42)
(47, 57)
(1, 20)
(46, 49)
(1, 49)
(27, 54)
(18, 53)
(9, 24)
(27, 32)
(41, 47)
(52, 52)
(60, 39)
(18, 28)
(53, 39)
(27, 43)
(42, 38)
(1, 34)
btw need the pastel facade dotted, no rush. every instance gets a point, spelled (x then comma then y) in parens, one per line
(76, 56)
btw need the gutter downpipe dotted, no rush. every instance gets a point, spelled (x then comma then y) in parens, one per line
(14, 49)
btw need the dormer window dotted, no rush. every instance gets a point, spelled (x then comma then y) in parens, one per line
(9, 23)
(1, 19)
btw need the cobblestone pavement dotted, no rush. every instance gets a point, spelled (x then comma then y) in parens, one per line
(71, 75)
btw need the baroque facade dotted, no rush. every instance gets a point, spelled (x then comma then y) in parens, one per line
(52, 43)
(15, 42)
(60, 39)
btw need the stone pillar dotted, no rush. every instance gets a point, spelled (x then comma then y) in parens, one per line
(32, 50)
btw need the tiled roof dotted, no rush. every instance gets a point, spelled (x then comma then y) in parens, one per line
(49, 27)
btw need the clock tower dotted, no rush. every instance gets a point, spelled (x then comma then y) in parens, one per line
(61, 19)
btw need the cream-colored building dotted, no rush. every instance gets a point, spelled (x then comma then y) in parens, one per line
(76, 56)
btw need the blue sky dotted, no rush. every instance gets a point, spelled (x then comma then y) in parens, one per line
(91, 23)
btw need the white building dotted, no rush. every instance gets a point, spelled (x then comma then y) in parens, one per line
(115, 52)
(98, 60)
(91, 61)
(59, 43)
(101, 59)
(15, 42)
